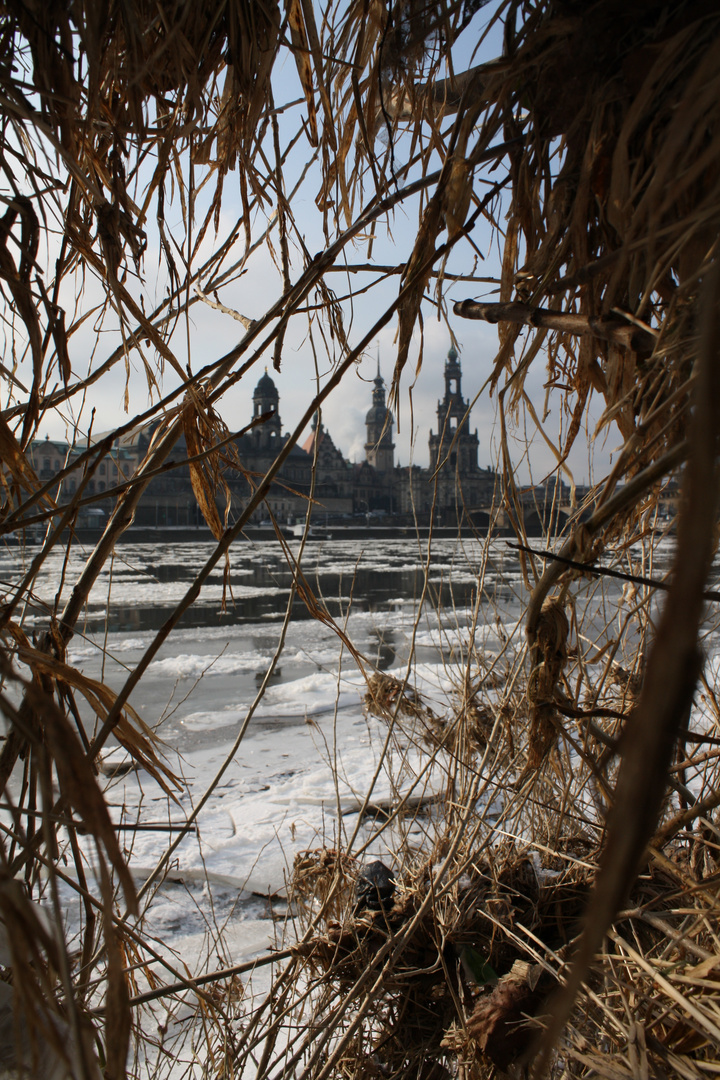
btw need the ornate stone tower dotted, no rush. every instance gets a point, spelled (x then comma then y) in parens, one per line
(462, 452)
(267, 400)
(379, 448)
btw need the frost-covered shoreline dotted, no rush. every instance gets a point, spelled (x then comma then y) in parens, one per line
(312, 755)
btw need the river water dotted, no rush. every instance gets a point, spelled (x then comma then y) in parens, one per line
(372, 590)
(310, 749)
(299, 777)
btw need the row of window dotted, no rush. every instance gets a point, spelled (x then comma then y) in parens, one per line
(72, 487)
(103, 470)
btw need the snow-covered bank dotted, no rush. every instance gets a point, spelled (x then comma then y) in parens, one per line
(297, 782)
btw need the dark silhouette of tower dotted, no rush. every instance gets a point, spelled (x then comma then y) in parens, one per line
(379, 448)
(453, 439)
(267, 400)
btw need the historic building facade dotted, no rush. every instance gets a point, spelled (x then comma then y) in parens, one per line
(462, 487)
(315, 475)
(453, 444)
(379, 448)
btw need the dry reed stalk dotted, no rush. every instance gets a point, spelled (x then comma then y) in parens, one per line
(604, 122)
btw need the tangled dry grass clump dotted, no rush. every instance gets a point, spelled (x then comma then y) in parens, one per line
(560, 913)
(480, 964)
(389, 697)
(472, 721)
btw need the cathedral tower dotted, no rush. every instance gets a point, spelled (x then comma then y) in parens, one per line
(461, 449)
(267, 400)
(379, 448)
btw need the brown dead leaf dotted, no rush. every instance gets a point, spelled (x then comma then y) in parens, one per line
(414, 280)
(500, 1023)
(131, 731)
(78, 784)
(117, 1002)
(18, 279)
(301, 52)
(205, 474)
(14, 460)
(457, 196)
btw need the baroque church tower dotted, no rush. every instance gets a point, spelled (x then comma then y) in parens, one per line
(453, 439)
(379, 448)
(266, 399)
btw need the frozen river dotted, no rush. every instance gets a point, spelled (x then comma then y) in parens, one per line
(209, 670)
(297, 780)
(310, 752)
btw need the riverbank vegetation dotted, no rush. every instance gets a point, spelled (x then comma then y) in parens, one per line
(559, 913)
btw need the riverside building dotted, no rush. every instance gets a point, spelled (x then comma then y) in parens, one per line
(453, 487)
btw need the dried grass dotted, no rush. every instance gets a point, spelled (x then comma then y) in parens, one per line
(576, 843)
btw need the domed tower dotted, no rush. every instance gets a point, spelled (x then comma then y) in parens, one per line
(267, 400)
(379, 448)
(451, 411)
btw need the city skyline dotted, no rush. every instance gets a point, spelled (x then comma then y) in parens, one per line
(344, 411)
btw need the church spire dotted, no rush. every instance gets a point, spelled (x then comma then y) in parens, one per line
(379, 423)
(453, 436)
